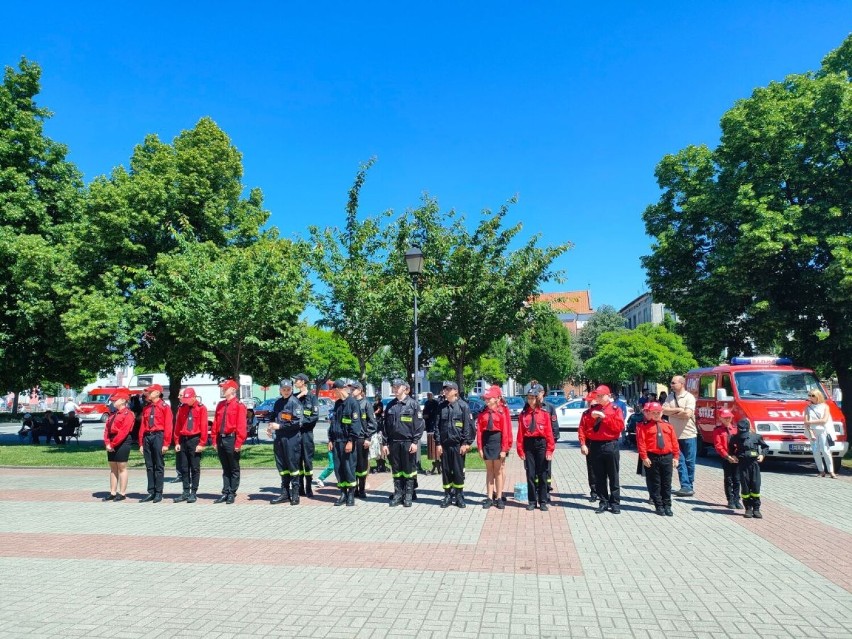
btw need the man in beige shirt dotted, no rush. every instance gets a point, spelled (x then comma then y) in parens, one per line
(679, 407)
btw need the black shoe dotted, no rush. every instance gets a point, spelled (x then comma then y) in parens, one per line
(191, 499)
(668, 511)
(602, 508)
(732, 504)
(109, 497)
(460, 500)
(230, 499)
(150, 497)
(283, 497)
(685, 493)
(341, 499)
(396, 500)
(157, 498)
(221, 499)
(309, 491)
(120, 498)
(177, 479)
(615, 509)
(543, 506)
(659, 510)
(757, 513)
(749, 512)
(500, 504)
(183, 497)
(414, 495)
(447, 500)
(738, 505)
(531, 505)
(350, 497)
(593, 497)
(485, 504)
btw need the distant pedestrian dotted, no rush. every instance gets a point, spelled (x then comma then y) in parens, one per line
(379, 412)
(228, 435)
(600, 440)
(819, 427)
(657, 446)
(679, 407)
(285, 427)
(70, 406)
(430, 418)
(50, 425)
(587, 422)
(72, 423)
(118, 442)
(494, 441)
(722, 435)
(190, 439)
(554, 425)
(155, 436)
(454, 435)
(535, 446)
(749, 450)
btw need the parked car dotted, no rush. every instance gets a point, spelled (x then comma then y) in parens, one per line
(516, 405)
(264, 409)
(555, 401)
(477, 405)
(325, 407)
(569, 414)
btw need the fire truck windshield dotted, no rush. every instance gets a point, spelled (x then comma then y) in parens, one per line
(776, 384)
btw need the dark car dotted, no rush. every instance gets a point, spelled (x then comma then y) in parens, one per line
(516, 405)
(262, 410)
(476, 406)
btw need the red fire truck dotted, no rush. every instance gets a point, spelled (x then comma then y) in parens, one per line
(772, 394)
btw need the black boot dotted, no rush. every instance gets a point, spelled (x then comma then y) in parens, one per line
(342, 498)
(361, 493)
(309, 489)
(294, 492)
(192, 498)
(448, 499)
(738, 505)
(285, 493)
(350, 496)
(302, 490)
(460, 499)
(184, 496)
(396, 498)
(409, 493)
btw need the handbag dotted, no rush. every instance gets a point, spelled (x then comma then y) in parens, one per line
(829, 440)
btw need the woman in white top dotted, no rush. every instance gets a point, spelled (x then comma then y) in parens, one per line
(818, 426)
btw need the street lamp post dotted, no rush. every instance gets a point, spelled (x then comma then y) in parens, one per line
(414, 261)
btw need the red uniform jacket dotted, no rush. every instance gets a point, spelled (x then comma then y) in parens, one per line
(721, 436)
(163, 421)
(118, 427)
(199, 422)
(235, 421)
(502, 421)
(646, 439)
(541, 419)
(610, 427)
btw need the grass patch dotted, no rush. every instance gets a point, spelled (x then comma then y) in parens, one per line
(93, 455)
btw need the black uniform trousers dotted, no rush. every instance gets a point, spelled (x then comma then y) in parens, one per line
(452, 466)
(749, 475)
(230, 461)
(535, 462)
(605, 465)
(362, 458)
(288, 455)
(152, 450)
(403, 463)
(189, 462)
(590, 472)
(732, 480)
(306, 461)
(344, 464)
(659, 479)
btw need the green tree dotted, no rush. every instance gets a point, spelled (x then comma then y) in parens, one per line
(753, 240)
(329, 356)
(647, 353)
(543, 351)
(384, 365)
(605, 320)
(40, 200)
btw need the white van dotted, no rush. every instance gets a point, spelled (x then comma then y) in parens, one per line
(206, 387)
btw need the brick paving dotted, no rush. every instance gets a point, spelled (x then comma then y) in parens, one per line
(73, 566)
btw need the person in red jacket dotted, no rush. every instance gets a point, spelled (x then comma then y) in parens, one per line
(155, 437)
(535, 446)
(721, 437)
(494, 441)
(587, 421)
(658, 449)
(118, 442)
(229, 433)
(599, 439)
(190, 440)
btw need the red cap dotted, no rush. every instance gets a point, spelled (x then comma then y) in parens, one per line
(590, 397)
(229, 384)
(651, 406)
(493, 391)
(724, 412)
(154, 387)
(121, 393)
(187, 393)
(602, 390)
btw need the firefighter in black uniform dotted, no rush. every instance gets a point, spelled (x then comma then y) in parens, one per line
(286, 423)
(402, 429)
(343, 432)
(454, 432)
(310, 415)
(362, 446)
(749, 449)
(554, 425)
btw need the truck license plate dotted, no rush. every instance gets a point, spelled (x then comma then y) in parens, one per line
(800, 448)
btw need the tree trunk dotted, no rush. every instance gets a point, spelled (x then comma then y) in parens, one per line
(460, 371)
(175, 380)
(15, 405)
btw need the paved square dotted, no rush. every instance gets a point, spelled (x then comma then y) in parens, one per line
(72, 565)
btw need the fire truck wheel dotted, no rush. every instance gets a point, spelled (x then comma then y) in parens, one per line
(838, 463)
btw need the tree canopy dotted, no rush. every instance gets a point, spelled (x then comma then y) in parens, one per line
(543, 351)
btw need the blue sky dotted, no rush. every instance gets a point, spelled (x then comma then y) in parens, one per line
(568, 105)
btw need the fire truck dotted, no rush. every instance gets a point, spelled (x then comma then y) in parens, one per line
(772, 394)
